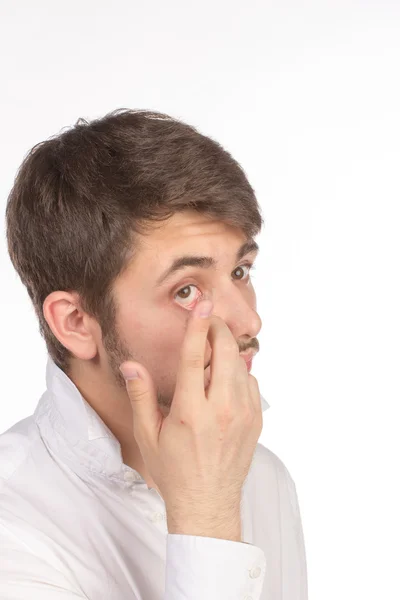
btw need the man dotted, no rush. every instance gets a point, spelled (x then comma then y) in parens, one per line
(119, 228)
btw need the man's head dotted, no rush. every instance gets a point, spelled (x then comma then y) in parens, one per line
(96, 217)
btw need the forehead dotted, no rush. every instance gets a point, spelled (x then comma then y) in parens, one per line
(188, 229)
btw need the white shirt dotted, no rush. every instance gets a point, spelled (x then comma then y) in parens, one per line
(76, 522)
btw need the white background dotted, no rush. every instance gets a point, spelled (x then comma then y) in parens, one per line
(306, 96)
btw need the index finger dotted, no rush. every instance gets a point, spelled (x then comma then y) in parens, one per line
(190, 376)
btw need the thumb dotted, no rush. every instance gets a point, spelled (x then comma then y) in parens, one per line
(147, 416)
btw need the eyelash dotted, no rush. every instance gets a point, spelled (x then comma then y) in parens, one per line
(250, 266)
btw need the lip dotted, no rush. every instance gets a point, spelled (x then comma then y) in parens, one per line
(248, 365)
(248, 356)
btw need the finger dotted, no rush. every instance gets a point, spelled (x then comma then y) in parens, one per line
(225, 360)
(234, 387)
(190, 375)
(143, 397)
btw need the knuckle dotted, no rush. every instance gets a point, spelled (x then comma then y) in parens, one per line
(249, 415)
(253, 384)
(253, 381)
(183, 414)
(194, 360)
(225, 415)
(138, 394)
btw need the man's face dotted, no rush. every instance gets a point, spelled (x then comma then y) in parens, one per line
(152, 317)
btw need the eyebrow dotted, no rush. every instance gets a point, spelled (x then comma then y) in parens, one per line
(203, 262)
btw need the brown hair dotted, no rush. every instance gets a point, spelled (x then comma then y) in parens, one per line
(81, 197)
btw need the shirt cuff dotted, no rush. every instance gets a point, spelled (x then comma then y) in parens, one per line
(200, 567)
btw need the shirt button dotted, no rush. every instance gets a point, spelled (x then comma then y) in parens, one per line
(157, 517)
(255, 572)
(131, 476)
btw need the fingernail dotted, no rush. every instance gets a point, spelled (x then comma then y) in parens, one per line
(129, 372)
(205, 308)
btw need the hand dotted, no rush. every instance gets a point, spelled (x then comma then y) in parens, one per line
(199, 455)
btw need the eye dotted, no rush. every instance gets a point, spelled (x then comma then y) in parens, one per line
(184, 293)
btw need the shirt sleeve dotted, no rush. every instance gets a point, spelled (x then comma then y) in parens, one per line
(24, 576)
(200, 567)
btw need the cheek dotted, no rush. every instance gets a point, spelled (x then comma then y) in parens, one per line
(155, 334)
(167, 345)
(161, 336)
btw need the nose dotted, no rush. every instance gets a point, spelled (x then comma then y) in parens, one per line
(240, 315)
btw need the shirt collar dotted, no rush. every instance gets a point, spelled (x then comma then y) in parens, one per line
(74, 428)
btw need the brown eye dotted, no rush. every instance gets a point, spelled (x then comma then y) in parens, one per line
(184, 293)
(238, 269)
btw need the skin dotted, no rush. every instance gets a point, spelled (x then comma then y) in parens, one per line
(151, 323)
